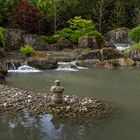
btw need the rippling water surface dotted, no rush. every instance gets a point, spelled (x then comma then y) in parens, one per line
(120, 88)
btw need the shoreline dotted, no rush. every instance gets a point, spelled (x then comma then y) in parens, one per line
(18, 101)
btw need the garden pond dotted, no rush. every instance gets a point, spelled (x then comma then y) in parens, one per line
(118, 87)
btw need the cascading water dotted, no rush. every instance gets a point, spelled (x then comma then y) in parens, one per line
(68, 66)
(24, 68)
(122, 47)
(11, 66)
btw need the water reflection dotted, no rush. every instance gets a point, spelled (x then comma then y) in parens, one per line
(43, 127)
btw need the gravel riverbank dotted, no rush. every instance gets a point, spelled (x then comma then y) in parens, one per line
(14, 100)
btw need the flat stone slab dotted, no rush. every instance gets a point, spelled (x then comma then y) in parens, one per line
(14, 100)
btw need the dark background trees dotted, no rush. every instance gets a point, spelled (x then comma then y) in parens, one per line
(106, 14)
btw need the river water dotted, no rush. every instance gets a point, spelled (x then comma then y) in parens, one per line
(119, 87)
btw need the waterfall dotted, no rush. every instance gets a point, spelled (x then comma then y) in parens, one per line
(121, 47)
(11, 66)
(23, 68)
(68, 66)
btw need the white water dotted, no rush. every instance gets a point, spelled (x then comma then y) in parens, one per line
(122, 47)
(69, 66)
(63, 66)
(24, 69)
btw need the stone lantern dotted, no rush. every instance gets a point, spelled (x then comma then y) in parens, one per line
(57, 92)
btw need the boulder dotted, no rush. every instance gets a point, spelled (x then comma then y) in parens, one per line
(2, 79)
(2, 53)
(101, 54)
(89, 42)
(134, 54)
(35, 41)
(118, 36)
(90, 63)
(42, 63)
(62, 44)
(16, 37)
(121, 62)
(3, 73)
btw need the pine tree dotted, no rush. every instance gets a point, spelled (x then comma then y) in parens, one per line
(100, 12)
(119, 17)
(136, 16)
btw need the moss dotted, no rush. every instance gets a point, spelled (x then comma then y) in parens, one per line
(2, 41)
(135, 46)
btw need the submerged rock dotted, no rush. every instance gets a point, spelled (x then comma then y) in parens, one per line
(14, 100)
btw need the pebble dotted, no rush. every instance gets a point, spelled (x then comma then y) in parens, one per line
(21, 101)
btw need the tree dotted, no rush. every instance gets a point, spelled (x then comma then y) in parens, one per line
(6, 10)
(99, 12)
(27, 17)
(119, 17)
(136, 16)
(77, 27)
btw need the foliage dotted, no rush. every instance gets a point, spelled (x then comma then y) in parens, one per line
(2, 42)
(75, 36)
(135, 46)
(65, 32)
(50, 39)
(119, 12)
(77, 23)
(134, 34)
(27, 49)
(27, 17)
(6, 7)
(77, 27)
(54, 14)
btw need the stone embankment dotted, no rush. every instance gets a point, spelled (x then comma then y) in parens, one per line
(14, 100)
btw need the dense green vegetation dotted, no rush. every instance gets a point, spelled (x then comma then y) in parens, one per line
(2, 42)
(77, 27)
(134, 34)
(52, 15)
(26, 49)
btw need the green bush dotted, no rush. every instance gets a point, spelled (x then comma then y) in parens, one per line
(50, 39)
(77, 23)
(65, 32)
(27, 49)
(75, 36)
(134, 34)
(2, 42)
(77, 27)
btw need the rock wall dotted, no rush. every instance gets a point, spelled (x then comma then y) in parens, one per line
(101, 54)
(89, 42)
(118, 36)
(62, 44)
(16, 37)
